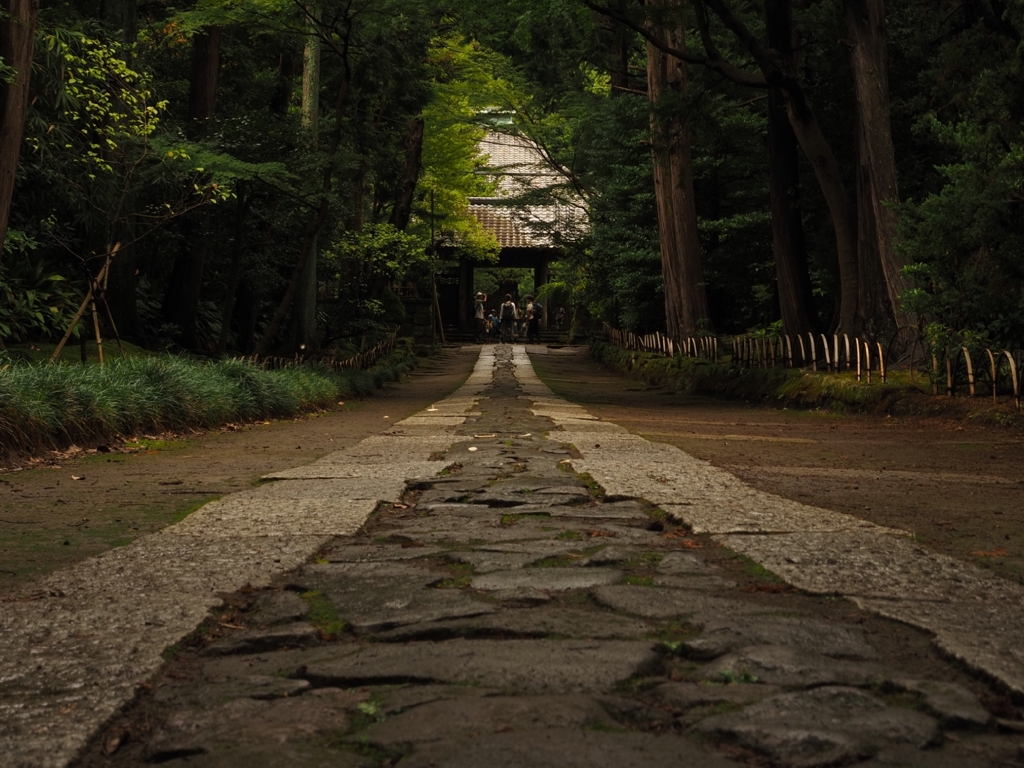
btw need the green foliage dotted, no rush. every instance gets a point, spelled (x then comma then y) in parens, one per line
(464, 83)
(49, 406)
(34, 303)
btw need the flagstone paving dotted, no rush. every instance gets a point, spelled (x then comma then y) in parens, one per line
(532, 593)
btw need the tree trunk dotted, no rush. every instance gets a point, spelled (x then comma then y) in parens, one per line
(796, 299)
(618, 59)
(304, 310)
(865, 23)
(410, 175)
(686, 305)
(874, 299)
(282, 97)
(17, 40)
(235, 270)
(185, 284)
(184, 287)
(826, 170)
(120, 18)
(247, 313)
(320, 218)
(202, 94)
(812, 141)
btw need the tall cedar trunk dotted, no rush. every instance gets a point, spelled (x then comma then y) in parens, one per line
(17, 38)
(686, 304)
(826, 170)
(865, 24)
(120, 17)
(410, 175)
(796, 299)
(304, 308)
(874, 300)
(819, 154)
(618, 59)
(202, 94)
(315, 224)
(185, 284)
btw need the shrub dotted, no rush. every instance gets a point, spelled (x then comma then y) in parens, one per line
(51, 406)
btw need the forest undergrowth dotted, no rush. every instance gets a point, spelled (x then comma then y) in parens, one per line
(52, 406)
(790, 387)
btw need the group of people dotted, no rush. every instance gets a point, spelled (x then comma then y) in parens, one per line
(510, 321)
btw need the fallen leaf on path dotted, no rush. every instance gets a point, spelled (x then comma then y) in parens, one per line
(78, 477)
(997, 552)
(111, 744)
(766, 587)
(685, 543)
(396, 505)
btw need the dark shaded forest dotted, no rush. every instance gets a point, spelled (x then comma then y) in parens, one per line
(238, 176)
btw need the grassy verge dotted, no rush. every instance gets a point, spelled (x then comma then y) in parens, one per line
(789, 387)
(49, 407)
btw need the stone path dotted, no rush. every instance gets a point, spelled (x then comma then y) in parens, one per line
(521, 600)
(75, 652)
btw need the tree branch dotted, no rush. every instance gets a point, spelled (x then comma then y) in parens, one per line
(712, 61)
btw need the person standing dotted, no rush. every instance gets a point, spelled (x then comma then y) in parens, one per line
(534, 312)
(508, 314)
(492, 326)
(559, 318)
(480, 318)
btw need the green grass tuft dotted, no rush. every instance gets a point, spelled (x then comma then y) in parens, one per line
(51, 406)
(323, 615)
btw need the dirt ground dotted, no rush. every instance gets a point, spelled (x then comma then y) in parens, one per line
(71, 506)
(956, 485)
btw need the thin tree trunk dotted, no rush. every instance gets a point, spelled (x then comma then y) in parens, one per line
(285, 84)
(304, 311)
(185, 284)
(235, 270)
(410, 175)
(826, 170)
(318, 221)
(17, 41)
(120, 17)
(686, 306)
(305, 247)
(865, 23)
(796, 298)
